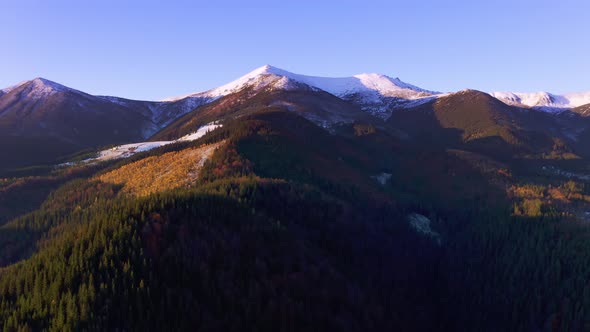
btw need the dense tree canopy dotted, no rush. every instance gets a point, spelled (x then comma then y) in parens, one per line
(287, 229)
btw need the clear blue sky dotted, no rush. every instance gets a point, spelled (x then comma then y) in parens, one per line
(156, 49)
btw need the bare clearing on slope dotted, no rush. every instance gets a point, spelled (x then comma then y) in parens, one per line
(160, 173)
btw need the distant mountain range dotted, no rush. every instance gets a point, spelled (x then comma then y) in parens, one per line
(544, 100)
(380, 94)
(65, 121)
(376, 93)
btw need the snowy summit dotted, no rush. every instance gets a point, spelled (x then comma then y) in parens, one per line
(375, 91)
(544, 100)
(362, 83)
(40, 88)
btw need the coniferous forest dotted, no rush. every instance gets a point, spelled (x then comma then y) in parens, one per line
(286, 228)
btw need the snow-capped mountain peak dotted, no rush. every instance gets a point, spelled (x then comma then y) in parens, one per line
(255, 77)
(39, 88)
(544, 100)
(341, 86)
(375, 93)
(42, 84)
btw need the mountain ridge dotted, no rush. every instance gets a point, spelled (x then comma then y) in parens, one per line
(386, 86)
(544, 100)
(338, 86)
(42, 110)
(376, 93)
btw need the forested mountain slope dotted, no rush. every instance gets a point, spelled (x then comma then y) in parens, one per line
(288, 226)
(341, 204)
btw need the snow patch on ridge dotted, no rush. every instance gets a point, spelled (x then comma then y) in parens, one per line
(128, 150)
(422, 225)
(382, 178)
